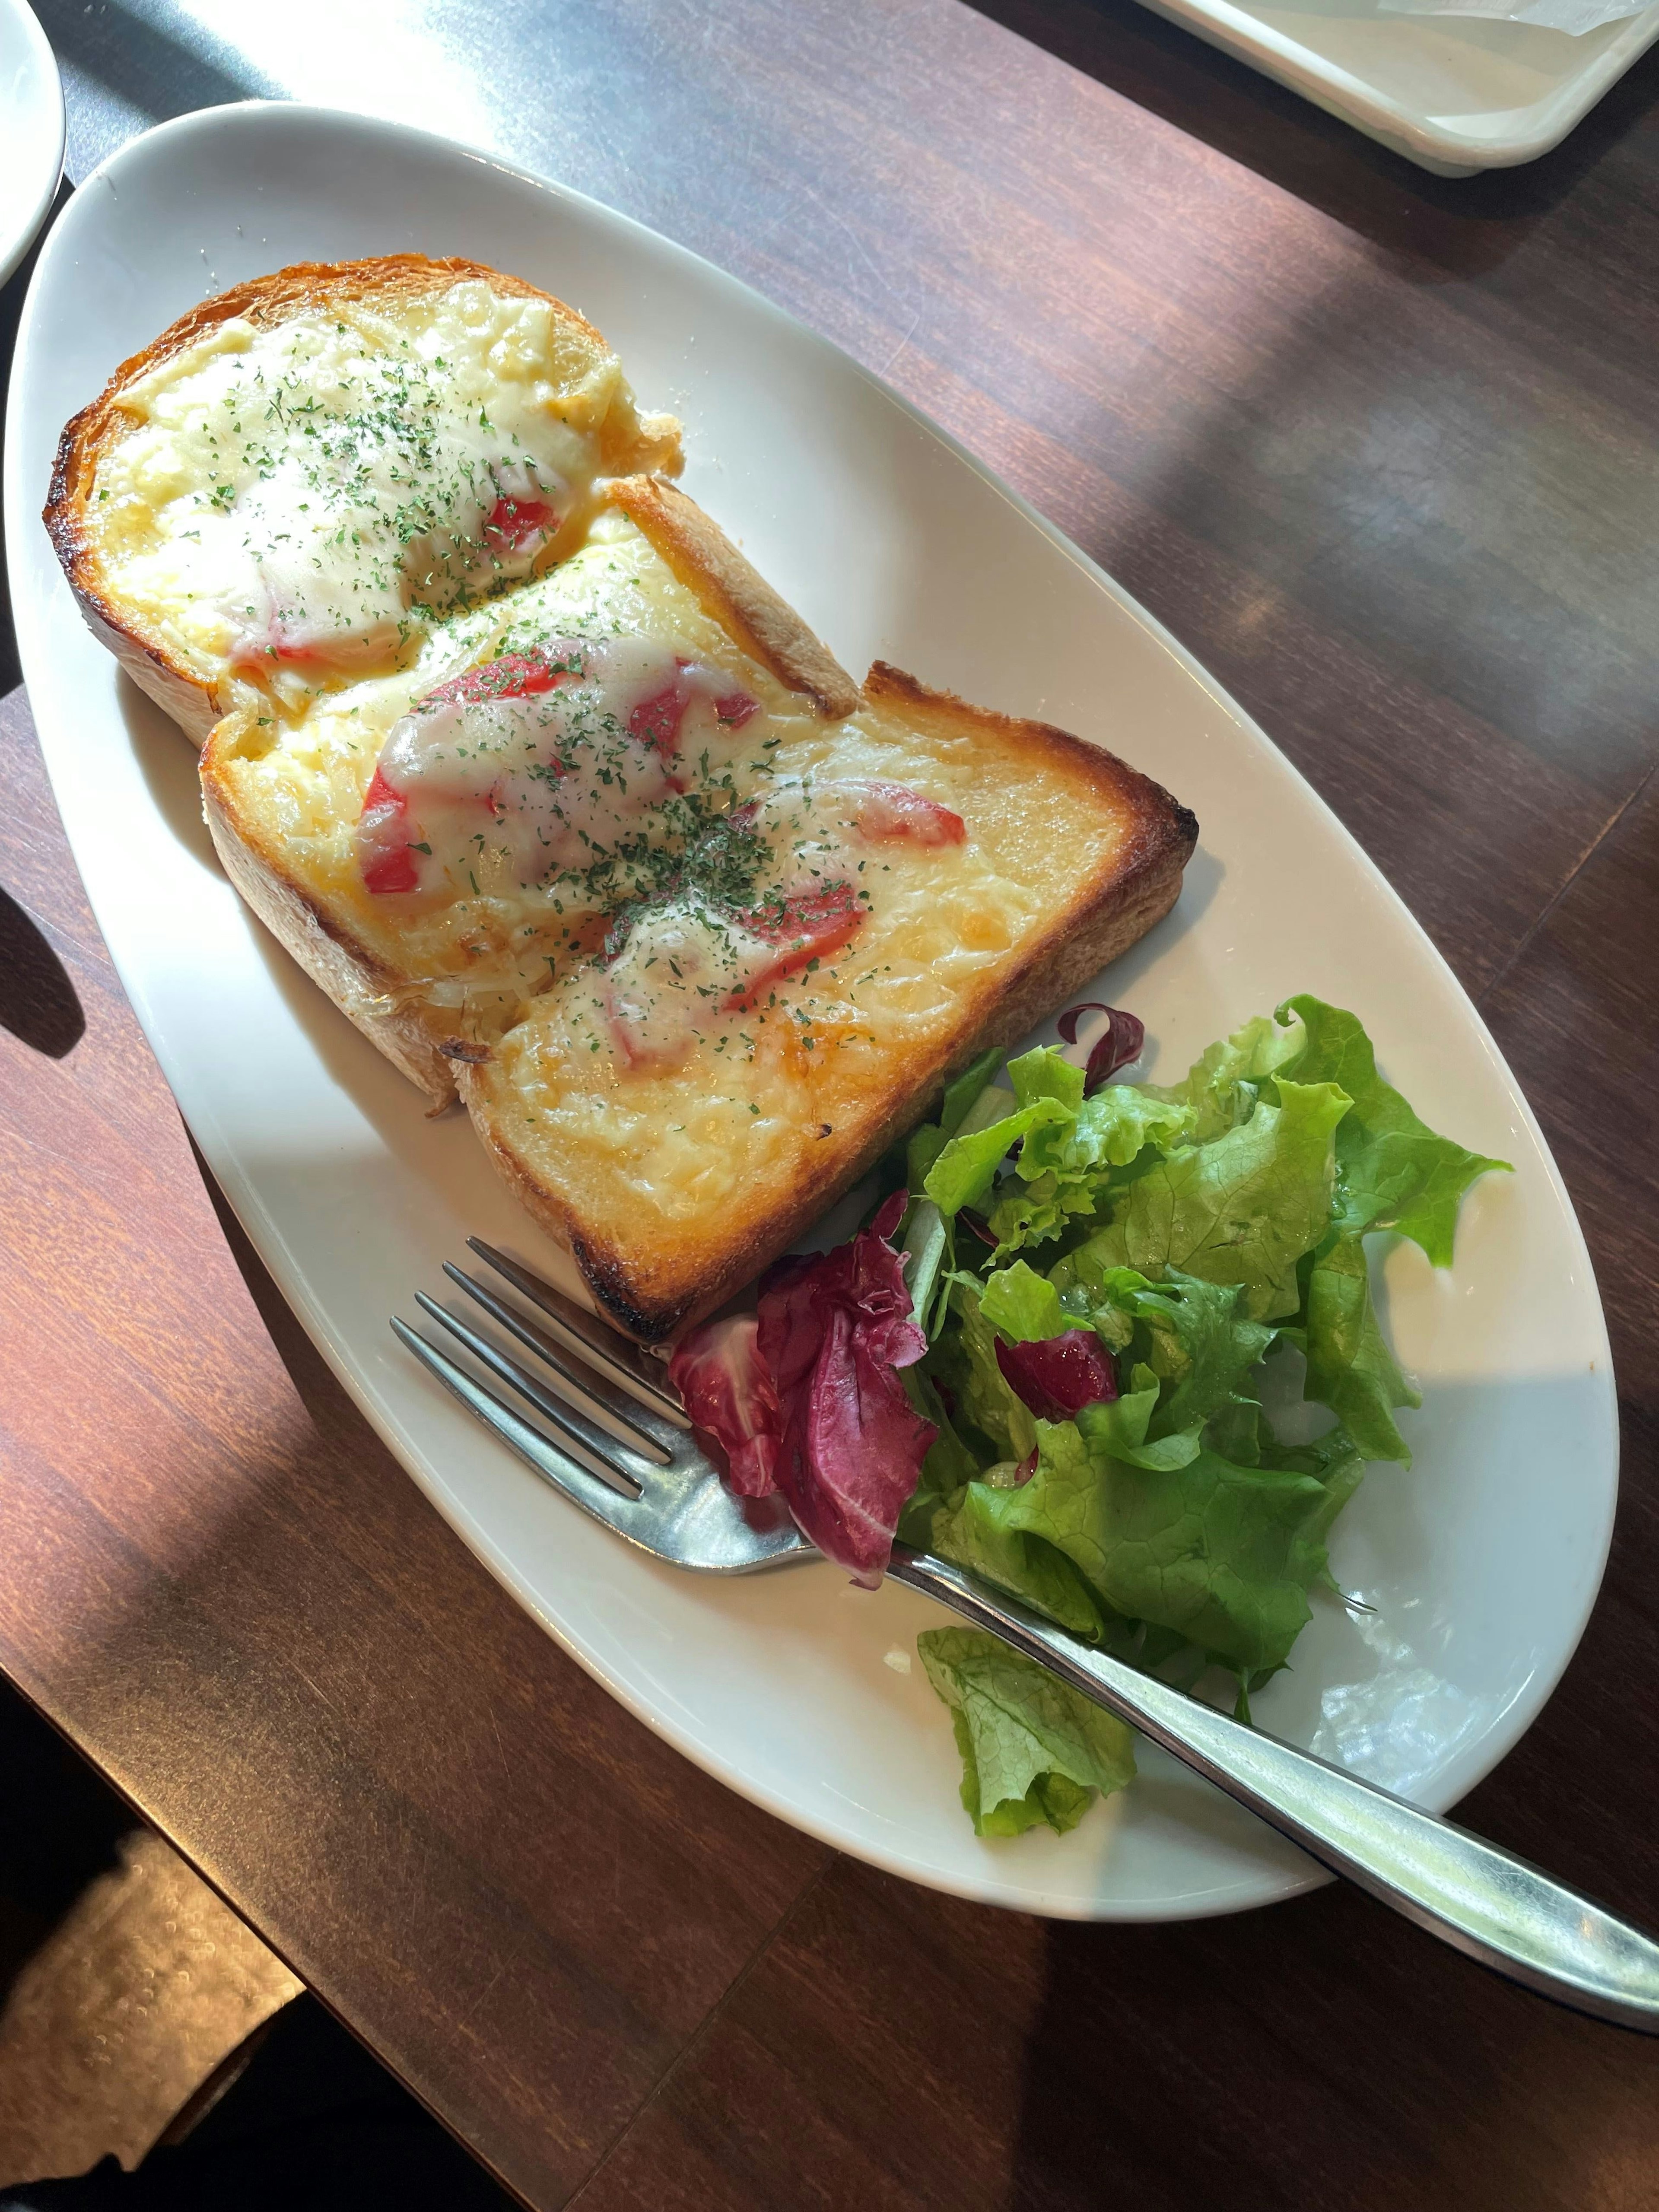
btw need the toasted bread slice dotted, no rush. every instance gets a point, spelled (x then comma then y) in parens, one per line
(433, 976)
(672, 1184)
(780, 934)
(549, 791)
(281, 491)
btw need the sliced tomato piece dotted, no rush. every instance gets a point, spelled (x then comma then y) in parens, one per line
(516, 525)
(514, 675)
(383, 840)
(804, 929)
(889, 811)
(656, 720)
(736, 708)
(392, 872)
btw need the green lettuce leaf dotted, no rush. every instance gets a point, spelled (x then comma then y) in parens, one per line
(1117, 1428)
(1043, 1073)
(1350, 1367)
(1223, 1086)
(1031, 1749)
(967, 1164)
(1023, 1304)
(974, 1532)
(962, 1097)
(927, 1249)
(964, 1361)
(1069, 1144)
(950, 1462)
(1224, 1555)
(1240, 1210)
(1204, 1225)
(1194, 1335)
(1392, 1170)
(1065, 1168)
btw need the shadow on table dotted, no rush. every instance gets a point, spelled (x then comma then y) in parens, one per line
(1459, 226)
(37, 1002)
(313, 2121)
(138, 58)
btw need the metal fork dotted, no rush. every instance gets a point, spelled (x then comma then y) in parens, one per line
(627, 1457)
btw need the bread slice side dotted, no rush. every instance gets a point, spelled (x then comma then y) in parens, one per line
(654, 1266)
(193, 692)
(378, 997)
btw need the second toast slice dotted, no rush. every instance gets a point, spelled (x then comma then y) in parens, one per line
(681, 1109)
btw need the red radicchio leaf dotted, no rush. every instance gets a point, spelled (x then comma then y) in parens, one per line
(721, 1376)
(834, 1332)
(804, 1396)
(1060, 1376)
(1118, 1044)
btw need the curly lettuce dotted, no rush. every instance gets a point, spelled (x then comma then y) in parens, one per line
(1198, 1231)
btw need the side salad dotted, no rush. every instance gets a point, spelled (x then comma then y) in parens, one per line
(1045, 1355)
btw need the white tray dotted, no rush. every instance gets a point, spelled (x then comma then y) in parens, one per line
(1453, 94)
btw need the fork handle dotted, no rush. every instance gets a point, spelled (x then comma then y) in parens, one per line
(1481, 1900)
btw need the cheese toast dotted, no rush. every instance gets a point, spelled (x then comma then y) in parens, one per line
(551, 793)
(296, 478)
(689, 989)
(675, 1175)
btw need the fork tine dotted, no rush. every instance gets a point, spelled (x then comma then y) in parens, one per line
(649, 1430)
(572, 1425)
(567, 1475)
(688, 1518)
(620, 1359)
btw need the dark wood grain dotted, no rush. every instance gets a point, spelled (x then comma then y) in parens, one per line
(1380, 449)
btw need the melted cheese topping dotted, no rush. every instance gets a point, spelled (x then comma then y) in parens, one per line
(488, 929)
(653, 1087)
(647, 1153)
(526, 770)
(659, 1158)
(296, 501)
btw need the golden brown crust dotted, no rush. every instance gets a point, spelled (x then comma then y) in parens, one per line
(193, 704)
(1105, 914)
(365, 991)
(706, 561)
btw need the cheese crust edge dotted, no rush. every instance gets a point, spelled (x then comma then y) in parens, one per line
(700, 556)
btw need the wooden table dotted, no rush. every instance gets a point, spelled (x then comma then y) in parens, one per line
(1381, 451)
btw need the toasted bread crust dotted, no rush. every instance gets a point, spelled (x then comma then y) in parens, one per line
(1103, 915)
(706, 561)
(176, 687)
(360, 985)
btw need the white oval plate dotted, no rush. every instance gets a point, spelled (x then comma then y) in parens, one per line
(1481, 1563)
(31, 131)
